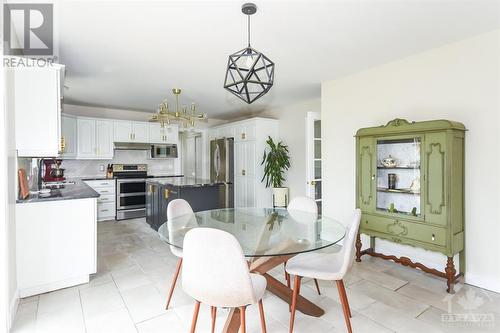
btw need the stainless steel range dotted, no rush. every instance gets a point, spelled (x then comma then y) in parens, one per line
(130, 190)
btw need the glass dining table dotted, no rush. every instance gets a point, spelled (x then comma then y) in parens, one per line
(269, 237)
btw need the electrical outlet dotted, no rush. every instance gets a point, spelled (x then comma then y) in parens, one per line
(101, 167)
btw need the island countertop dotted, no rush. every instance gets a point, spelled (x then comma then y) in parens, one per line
(183, 182)
(78, 190)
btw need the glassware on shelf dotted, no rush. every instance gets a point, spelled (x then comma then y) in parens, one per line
(398, 176)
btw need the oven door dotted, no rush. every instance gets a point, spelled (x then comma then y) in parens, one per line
(131, 193)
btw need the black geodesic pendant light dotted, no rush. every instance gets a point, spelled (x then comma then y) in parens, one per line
(249, 73)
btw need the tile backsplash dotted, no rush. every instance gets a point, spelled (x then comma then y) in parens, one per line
(84, 168)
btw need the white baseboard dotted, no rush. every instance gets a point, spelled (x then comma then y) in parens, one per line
(485, 282)
(13, 305)
(40, 289)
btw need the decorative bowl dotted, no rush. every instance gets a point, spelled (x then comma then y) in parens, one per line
(388, 162)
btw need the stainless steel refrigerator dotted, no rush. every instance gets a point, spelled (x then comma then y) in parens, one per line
(222, 169)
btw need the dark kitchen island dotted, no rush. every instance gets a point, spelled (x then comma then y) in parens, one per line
(201, 194)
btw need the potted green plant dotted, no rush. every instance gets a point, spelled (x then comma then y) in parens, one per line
(276, 161)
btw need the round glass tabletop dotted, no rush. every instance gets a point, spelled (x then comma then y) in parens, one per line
(260, 231)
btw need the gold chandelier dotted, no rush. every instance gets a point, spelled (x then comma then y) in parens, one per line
(165, 116)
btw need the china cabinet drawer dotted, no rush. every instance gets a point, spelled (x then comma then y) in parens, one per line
(106, 198)
(404, 229)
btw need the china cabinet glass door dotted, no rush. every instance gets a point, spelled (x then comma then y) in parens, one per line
(398, 176)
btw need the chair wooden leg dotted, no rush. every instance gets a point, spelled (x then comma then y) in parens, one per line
(243, 327)
(214, 315)
(195, 316)
(262, 318)
(296, 291)
(317, 286)
(345, 306)
(345, 298)
(172, 287)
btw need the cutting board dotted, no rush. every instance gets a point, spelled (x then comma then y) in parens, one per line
(24, 191)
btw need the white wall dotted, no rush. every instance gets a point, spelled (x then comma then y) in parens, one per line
(459, 81)
(292, 131)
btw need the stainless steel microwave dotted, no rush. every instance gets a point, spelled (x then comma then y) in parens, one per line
(164, 151)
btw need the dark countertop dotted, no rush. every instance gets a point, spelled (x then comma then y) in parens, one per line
(183, 182)
(104, 177)
(78, 190)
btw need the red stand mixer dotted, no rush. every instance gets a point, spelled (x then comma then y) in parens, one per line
(53, 171)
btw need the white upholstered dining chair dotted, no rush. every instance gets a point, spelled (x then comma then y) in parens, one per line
(326, 266)
(216, 273)
(302, 204)
(176, 208)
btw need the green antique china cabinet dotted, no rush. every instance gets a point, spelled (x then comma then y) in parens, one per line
(410, 189)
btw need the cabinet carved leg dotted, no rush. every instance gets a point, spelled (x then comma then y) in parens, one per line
(358, 248)
(450, 275)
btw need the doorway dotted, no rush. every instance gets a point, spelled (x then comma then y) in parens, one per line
(313, 157)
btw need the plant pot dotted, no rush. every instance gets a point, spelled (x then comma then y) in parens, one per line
(280, 196)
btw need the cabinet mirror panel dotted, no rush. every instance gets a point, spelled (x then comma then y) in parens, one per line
(398, 176)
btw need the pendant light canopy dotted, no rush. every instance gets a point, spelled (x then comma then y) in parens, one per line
(249, 73)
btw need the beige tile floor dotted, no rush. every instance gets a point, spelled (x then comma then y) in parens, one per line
(135, 268)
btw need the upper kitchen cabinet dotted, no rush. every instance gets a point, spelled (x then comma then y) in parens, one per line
(95, 139)
(37, 107)
(131, 131)
(68, 136)
(245, 131)
(167, 134)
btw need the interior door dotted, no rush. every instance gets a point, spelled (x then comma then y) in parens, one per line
(313, 158)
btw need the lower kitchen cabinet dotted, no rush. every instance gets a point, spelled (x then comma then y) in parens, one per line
(106, 203)
(159, 196)
(55, 244)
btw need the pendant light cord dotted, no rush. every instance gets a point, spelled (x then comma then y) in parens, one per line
(248, 30)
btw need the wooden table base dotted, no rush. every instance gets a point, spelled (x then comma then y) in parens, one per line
(261, 266)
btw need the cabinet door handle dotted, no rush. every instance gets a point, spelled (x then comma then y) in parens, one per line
(104, 210)
(243, 172)
(243, 136)
(166, 193)
(433, 237)
(104, 191)
(104, 184)
(373, 177)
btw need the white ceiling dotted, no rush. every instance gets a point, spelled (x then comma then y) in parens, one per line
(130, 54)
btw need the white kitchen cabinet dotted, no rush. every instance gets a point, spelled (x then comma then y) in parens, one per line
(95, 139)
(140, 132)
(55, 244)
(161, 135)
(106, 203)
(131, 131)
(245, 131)
(37, 109)
(122, 131)
(68, 136)
(250, 138)
(86, 147)
(104, 139)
